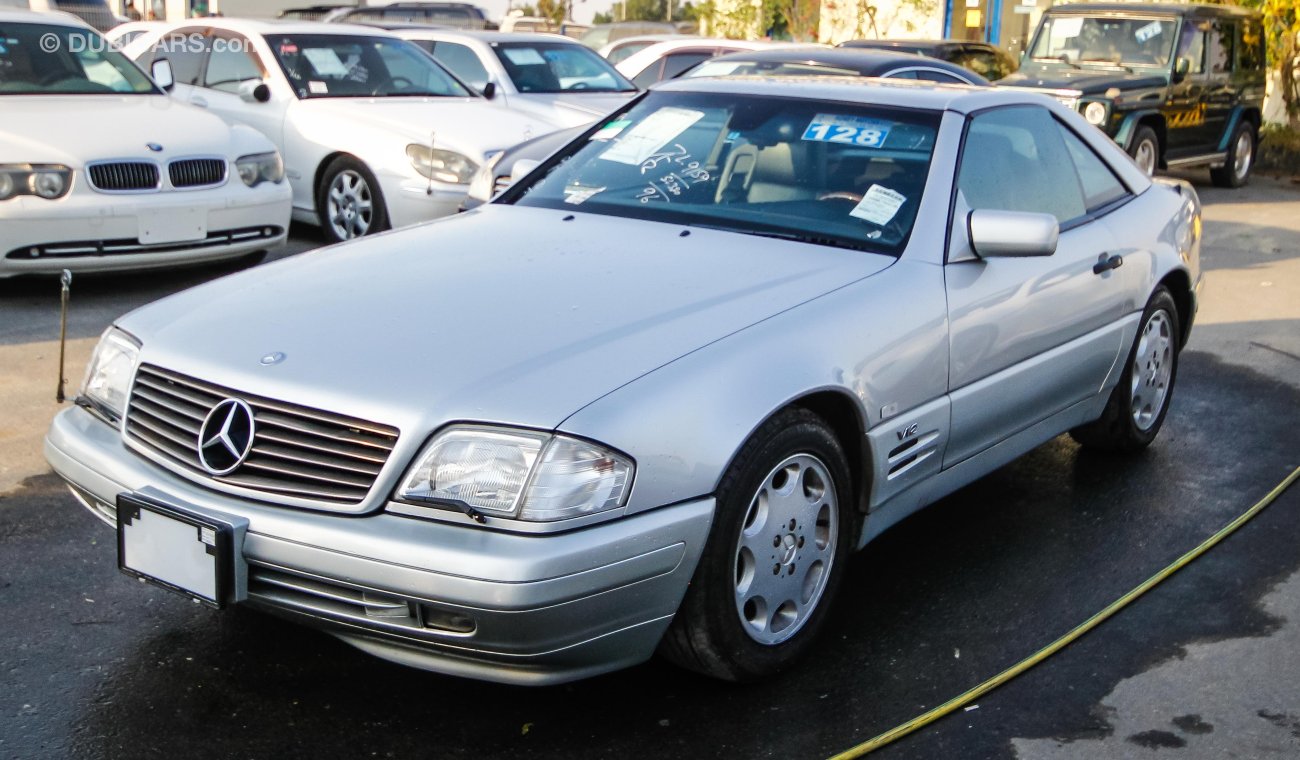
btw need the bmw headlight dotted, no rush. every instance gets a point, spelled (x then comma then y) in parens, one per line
(442, 165)
(1095, 113)
(259, 168)
(48, 181)
(517, 474)
(108, 378)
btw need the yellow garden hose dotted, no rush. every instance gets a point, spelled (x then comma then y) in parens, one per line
(952, 705)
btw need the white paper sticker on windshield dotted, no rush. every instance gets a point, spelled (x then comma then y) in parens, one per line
(848, 130)
(879, 205)
(524, 56)
(316, 87)
(1067, 27)
(611, 130)
(326, 62)
(1147, 32)
(578, 195)
(654, 132)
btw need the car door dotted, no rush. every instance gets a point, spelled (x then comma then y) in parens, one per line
(231, 62)
(1030, 336)
(1221, 90)
(1184, 110)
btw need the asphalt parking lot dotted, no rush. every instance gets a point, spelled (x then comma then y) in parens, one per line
(1206, 666)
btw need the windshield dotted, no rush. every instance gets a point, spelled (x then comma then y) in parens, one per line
(827, 173)
(46, 59)
(558, 67)
(350, 66)
(1078, 39)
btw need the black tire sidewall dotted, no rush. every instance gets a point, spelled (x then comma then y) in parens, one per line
(1147, 134)
(1161, 300)
(710, 602)
(1227, 175)
(336, 167)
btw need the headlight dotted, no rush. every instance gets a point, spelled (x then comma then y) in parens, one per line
(483, 186)
(259, 168)
(108, 378)
(442, 165)
(518, 474)
(1095, 113)
(48, 181)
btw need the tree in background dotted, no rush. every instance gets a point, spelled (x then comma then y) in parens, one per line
(647, 10)
(554, 11)
(1281, 36)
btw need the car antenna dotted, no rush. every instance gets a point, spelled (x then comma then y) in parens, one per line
(66, 281)
(432, 136)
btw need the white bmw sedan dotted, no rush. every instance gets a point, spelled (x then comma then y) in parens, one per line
(100, 170)
(374, 133)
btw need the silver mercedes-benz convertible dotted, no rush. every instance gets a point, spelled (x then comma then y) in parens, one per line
(652, 397)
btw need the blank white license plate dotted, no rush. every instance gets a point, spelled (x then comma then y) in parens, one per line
(174, 225)
(176, 549)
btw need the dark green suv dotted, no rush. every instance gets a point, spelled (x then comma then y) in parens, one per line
(1176, 85)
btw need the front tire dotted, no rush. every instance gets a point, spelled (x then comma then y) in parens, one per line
(349, 202)
(775, 555)
(1138, 404)
(1145, 150)
(1235, 171)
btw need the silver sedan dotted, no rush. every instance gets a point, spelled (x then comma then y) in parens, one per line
(653, 397)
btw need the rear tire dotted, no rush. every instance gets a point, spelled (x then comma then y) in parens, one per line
(776, 552)
(1235, 171)
(1145, 150)
(1138, 404)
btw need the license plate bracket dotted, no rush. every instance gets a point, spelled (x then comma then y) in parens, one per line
(196, 555)
(173, 225)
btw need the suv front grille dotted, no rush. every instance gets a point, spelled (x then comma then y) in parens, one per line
(197, 172)
(297, 452)
(123, 176)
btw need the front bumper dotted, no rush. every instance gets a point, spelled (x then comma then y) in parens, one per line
(93, 232)
(544, 609)
(411, 200)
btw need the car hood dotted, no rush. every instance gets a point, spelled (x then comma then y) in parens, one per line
(73, 129)
(566, 110)
(1089, 81)
(505, 314)
(472, 126)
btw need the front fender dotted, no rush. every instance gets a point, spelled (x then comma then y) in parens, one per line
(1128, 127)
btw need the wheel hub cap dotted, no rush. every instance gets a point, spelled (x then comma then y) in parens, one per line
(785, 549)
(350, 205)
(1153, 367)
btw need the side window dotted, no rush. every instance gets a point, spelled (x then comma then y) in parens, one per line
(1250, 53)
(1222, 43)
(935, 75)
(1191, 45)
(1015, 159)
(650, 75)
(463, 62)
(902, 74)
(185, 51)
(1100, 185)
(678, 62)
(230, 64)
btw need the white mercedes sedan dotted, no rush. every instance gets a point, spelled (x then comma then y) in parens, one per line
(101, 171)
(374, 133)
(653, 396)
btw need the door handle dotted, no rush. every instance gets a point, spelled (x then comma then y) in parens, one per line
(198, 101)
(1107, 262)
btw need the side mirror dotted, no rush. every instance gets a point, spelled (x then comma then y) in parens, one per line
(490, 90)
(161, 70)
(1012, 234)
(1182, 67)
(254, 91)
(522, 168)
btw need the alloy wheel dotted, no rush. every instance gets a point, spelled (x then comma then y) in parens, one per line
(1153, 366)
(350, 205)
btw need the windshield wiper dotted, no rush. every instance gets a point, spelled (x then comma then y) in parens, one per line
(798, 237)
(1057, 59)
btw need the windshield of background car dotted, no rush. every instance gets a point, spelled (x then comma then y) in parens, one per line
(558, 67)
(765, 68)
(46, 59)
(1103, 39)
(828, 173)
(350, 66)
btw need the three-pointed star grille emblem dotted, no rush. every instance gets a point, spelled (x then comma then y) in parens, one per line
(226, 437)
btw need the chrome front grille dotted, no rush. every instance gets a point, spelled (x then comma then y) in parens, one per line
(124, 176)
(197, 172)
(297, 453)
